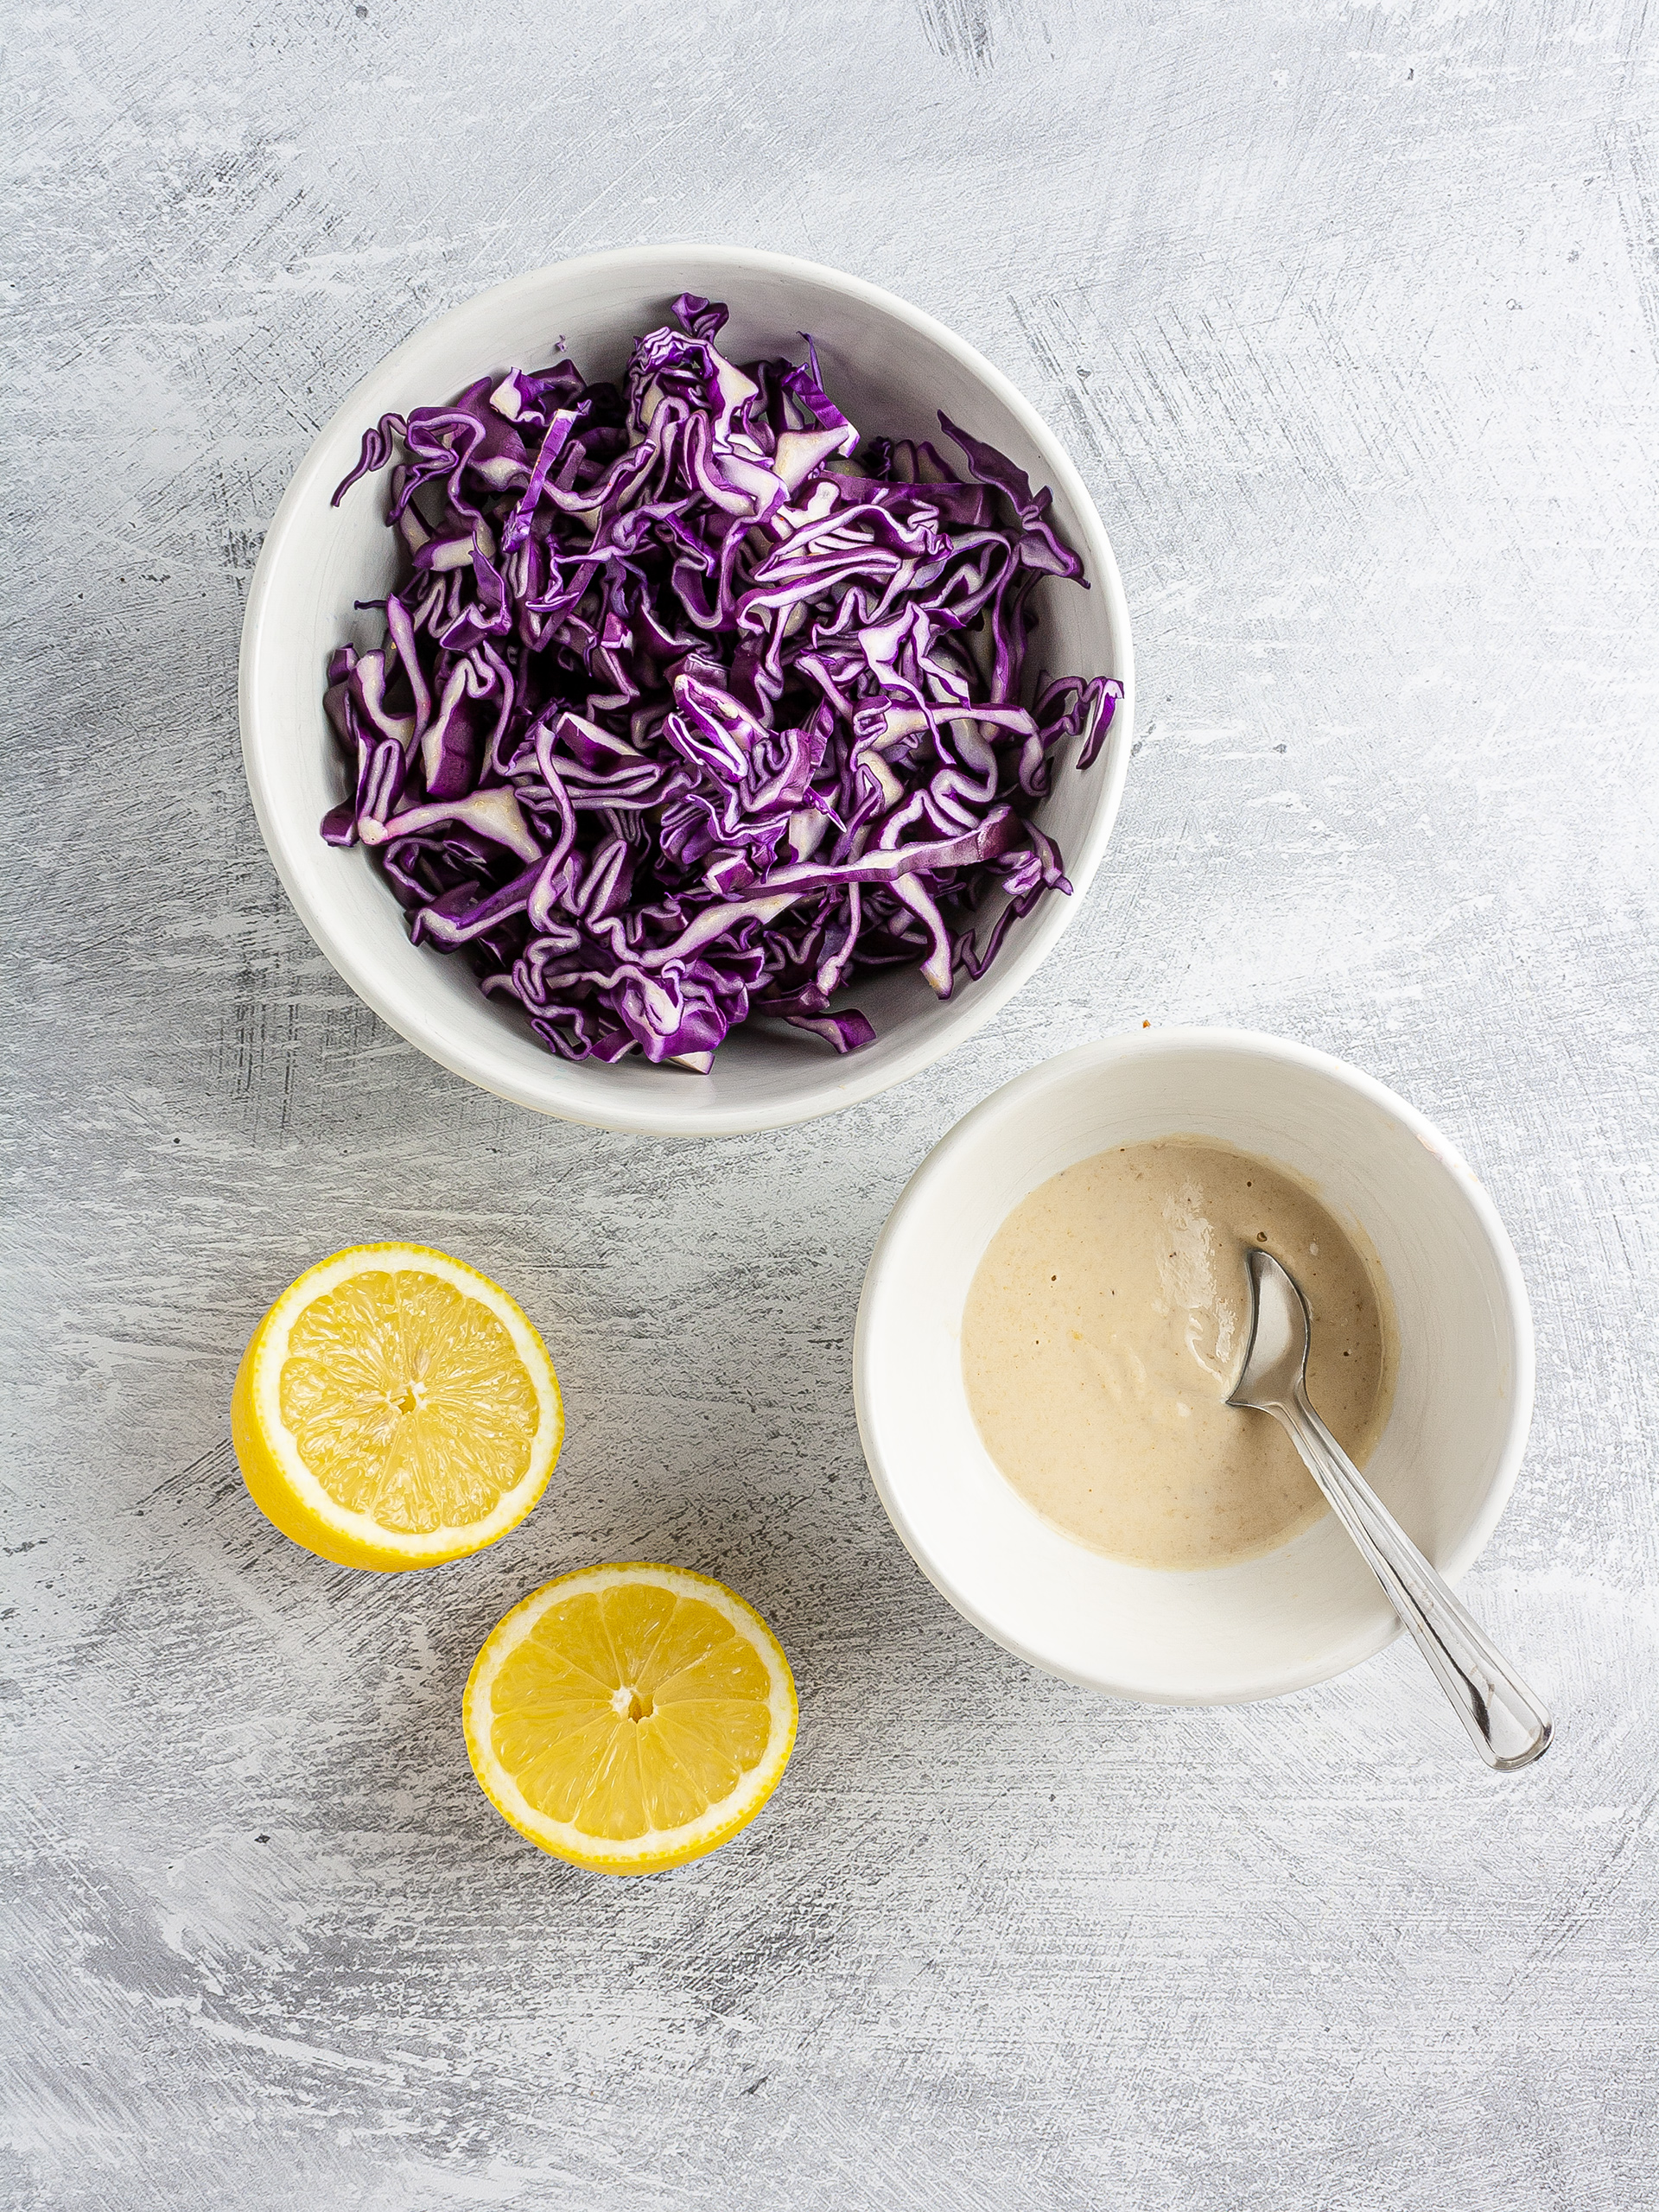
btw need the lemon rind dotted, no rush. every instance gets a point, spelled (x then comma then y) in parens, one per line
(659, 1848)
(360, 1532)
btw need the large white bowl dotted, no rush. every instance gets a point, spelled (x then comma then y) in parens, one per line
(893, 369)
(1444, 1466)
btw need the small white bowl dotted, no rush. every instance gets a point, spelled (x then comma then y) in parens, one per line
(893, 369)
(1444, 1466)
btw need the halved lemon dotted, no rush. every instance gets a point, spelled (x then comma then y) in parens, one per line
(630, 1718)
(395, 1408)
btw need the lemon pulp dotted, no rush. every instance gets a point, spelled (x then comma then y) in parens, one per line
(407, 1401)
(630, 1718)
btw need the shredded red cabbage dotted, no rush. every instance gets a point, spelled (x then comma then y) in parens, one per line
(691, 705)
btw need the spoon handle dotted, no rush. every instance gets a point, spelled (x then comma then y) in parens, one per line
(1510, 1725)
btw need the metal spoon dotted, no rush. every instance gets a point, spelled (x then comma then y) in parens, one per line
(1510, 1725)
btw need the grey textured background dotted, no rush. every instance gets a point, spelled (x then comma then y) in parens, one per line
(1350, 316)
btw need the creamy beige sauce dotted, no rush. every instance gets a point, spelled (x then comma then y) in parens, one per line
(1107, 1323)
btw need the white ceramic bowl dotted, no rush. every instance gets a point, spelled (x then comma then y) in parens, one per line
(892, 368)
(1444, 1465)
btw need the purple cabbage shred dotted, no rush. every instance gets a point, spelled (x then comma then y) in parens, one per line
(692, 707)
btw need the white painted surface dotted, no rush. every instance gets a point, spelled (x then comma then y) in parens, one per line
(1350, 316)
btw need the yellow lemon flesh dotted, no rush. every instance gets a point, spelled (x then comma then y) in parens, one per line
(394, 1408)
(630, 1718)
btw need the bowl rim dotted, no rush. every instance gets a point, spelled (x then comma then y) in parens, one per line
(1103, 1052)
(391, 990)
